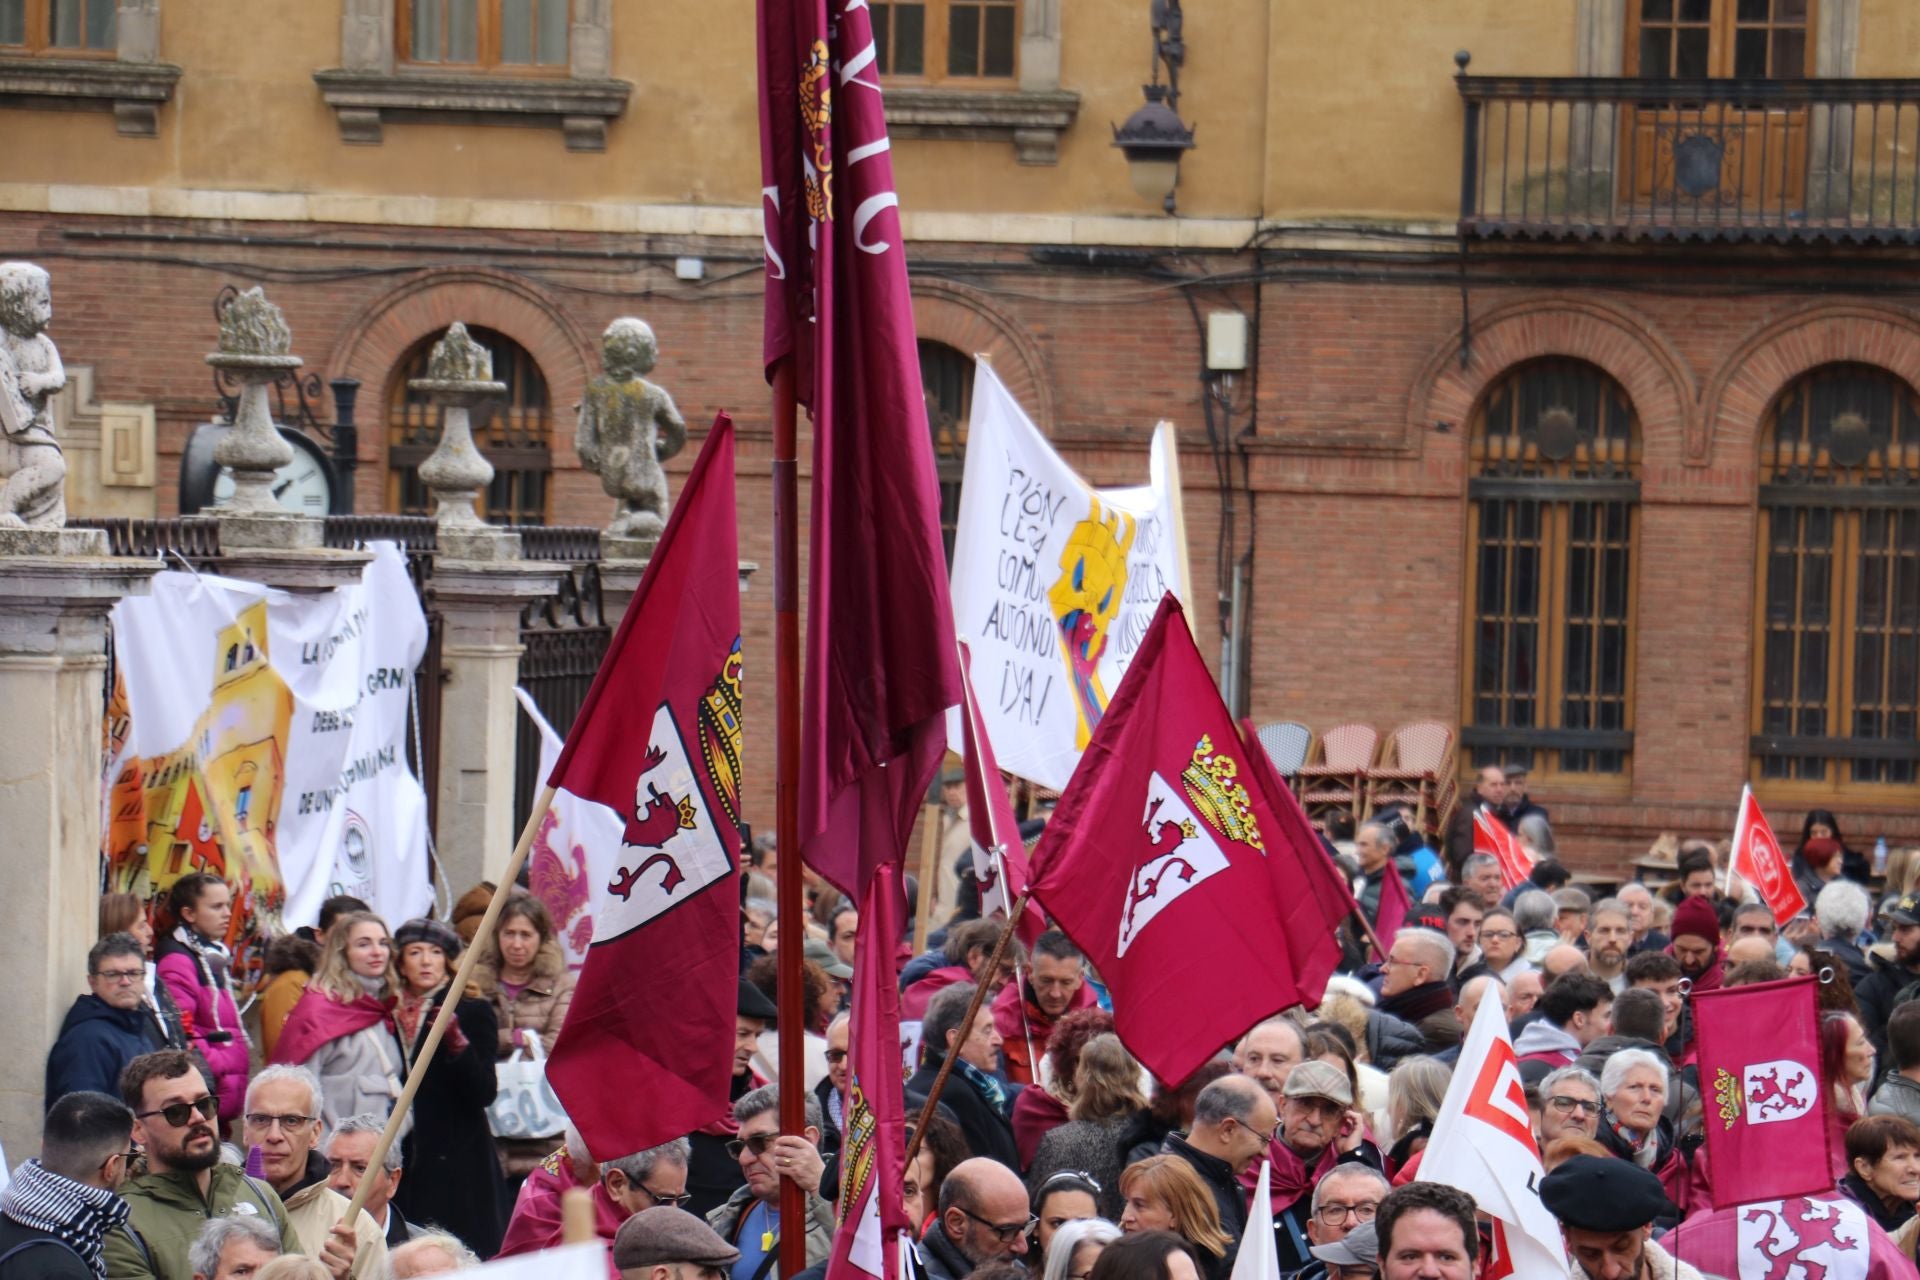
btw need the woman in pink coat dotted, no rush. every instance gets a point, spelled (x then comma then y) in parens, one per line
(192, 962)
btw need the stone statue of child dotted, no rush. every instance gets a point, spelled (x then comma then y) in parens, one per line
(626, 427)
(31, 465)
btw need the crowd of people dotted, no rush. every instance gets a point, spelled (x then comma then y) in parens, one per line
(184, 1140)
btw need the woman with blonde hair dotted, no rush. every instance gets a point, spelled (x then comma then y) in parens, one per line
(1163, 1193)
(343, 1030)
(1415, 1090)
(1106, 1100)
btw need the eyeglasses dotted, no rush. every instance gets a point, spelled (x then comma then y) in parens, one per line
(1004, 1231)
(757, 1144)
(1497, 935)
(179, 1113)
(1332, 1215)
(120, 975)
(1567, 1106)
(661, 1197)
(286, 1124)
(836, 1056)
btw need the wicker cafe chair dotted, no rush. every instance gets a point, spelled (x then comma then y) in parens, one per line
(1335, 775)
(1415, 766)
(1287, 744)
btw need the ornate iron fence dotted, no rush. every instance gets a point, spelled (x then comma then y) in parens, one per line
(566, 634)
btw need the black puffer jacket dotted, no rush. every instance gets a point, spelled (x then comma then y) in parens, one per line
(1390, 1039)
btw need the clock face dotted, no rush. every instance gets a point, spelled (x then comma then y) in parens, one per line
(301, 486)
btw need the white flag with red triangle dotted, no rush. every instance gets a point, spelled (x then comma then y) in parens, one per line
(1483, 1144)
(1758, 860)
(1491, 837)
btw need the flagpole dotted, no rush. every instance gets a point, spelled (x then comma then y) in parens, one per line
(966, 1027)
(1026, 1024)
(1372, 937)
(461, 975)
(789, 972)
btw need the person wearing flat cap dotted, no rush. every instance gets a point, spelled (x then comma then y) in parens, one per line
(453, 1177)
(712, 1173)
(1606, 1209)
(665, 1243)
(1317, 1132)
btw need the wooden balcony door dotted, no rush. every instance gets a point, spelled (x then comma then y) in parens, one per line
(1709, 161)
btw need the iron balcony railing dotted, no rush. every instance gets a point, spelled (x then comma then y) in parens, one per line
(1614, 159)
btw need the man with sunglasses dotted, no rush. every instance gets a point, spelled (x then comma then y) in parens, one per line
(750, 1219)
(108, 1027)
(983, 1218)
(57, 1209)
(176, 1123)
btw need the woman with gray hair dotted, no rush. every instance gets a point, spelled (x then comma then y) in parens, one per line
(1076, 1246)
(238, 1240)
(1633, 1098)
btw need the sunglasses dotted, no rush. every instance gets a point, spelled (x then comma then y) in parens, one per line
(180, 1113)
(836, 1056)
(660, 1197)
(757, 1144)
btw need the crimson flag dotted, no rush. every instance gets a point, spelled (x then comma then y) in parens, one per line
(1154, 862)
(1395, 906)
(1490, 836)
(999, 855)
(657, 741)
(1768, 1134)
(880, 673)
(1758, 860)
(1795, 1238)
(873, 1154)
(1310, 921)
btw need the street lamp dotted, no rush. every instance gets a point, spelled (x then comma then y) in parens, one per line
(1153, 137)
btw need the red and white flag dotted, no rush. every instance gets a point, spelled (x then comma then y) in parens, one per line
(1757, 859)
(1483, 1144)
(1154, 862)
(657, 744)
(999, 855)
(880, 672)
(873, 1152)
(1758, 1051)
(1491, 837)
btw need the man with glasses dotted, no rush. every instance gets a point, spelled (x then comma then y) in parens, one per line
(750, 1219)
(349, 1151)
(1569, 1105)
(983, 1218)
(1344, 1201)
(1233, 1123)
(282, 1119)
(56, 1211)
(175, 1121)
(1314, 1119)
(108, 1027)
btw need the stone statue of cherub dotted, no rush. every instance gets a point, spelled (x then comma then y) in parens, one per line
(627, 426)
(32, 470)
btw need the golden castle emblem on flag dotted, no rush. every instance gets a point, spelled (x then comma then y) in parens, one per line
(721, 733)
(1726, 1092)
(1212, 784)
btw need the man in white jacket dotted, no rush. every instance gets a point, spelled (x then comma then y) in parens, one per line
(282, 1118)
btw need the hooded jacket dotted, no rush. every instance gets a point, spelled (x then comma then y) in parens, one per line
(96, 1042)
(168, 1213)
(196, 978)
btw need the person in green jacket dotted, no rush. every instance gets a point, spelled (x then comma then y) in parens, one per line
(175, 1119)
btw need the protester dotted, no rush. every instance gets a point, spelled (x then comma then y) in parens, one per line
(713, 1174)
(1576, 1009)
(1344, 1202)
(1106, 1101)
(655, 1176)
(457, 1183)
(1040, 1109)
(818, 998)
(1076, 1246)
(1171, 1110)
(56, 1210)
(1660, 973)
(349, 1151)
(1150, 1255)
(983, 1217)
(524, 972)
(1846, 1064)
(968, 950)
(973, 1093)
(943, 1151)
(1427, 1231)
(1163, 1193)
(1415, 1091)
(1572, 909)
(1316, 1126)
(1355, 1256)
(289, 966)
(1523, 993)
(1754, 920)
(1067, 1196)
(1815, 865)
(1373, 843)
(1609, 938)
(1233, 1123)
(1606, 1210)
(1501, 945)
(842, 930)
(1414, 984)
(1534, 914)
(234, 1248)
(1569, 1105)
(192, 961)
(1694, 876)
(1024, 1013)
(1842, 911)
(1638, 900)
(1516, 805)
(1879, 991)
(108, 1027)
(750, 1219)
(127, 913)
(174, 1118)
(342, 1028)
(1332, 1043)
(1633, 1095)
(1899, 1092)
(1480, 876)
(1463, 912)
(1489, 792)
(657, 1242)
(1269, 1052)
(1883, 1169)
(282, 1120)
(433, 1254)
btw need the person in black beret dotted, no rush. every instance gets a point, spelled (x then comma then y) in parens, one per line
(712, 1174)
(655, 1243)
(1606, 1209)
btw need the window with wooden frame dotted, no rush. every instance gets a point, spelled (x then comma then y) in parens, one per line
(944, 41)
(503, 35)
(1700, 39)
(514, 432)
(1552, 530)
(69, 27)
(1836, 685)
(946, 375)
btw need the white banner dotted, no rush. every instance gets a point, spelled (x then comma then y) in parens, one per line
(1054, 583)
(267, 741)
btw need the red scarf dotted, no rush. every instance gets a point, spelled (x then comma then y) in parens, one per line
(319, 1019)
(1291, 1177)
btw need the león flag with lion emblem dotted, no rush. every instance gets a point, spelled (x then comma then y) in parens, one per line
(1765, 1106)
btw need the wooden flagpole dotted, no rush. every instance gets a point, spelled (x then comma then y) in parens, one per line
(424, 1058)
(931, 816)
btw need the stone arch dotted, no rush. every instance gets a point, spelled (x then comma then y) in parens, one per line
(379, 336)
(1745, 387)
(1625, 345)
(968, 320)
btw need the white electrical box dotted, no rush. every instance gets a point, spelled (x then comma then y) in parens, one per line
(689, 268)
(1226, 342)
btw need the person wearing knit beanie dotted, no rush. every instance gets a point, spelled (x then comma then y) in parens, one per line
(1696, 942)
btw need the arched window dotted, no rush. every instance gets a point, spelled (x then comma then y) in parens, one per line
(515, 432)
(1837, 658)
(1554, 494)
(946, 374)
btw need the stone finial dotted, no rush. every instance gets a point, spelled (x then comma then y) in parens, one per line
(458, 358)
(626, 427)
(33, 473)
(256, 349)
(252, 326)
(459, 376)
